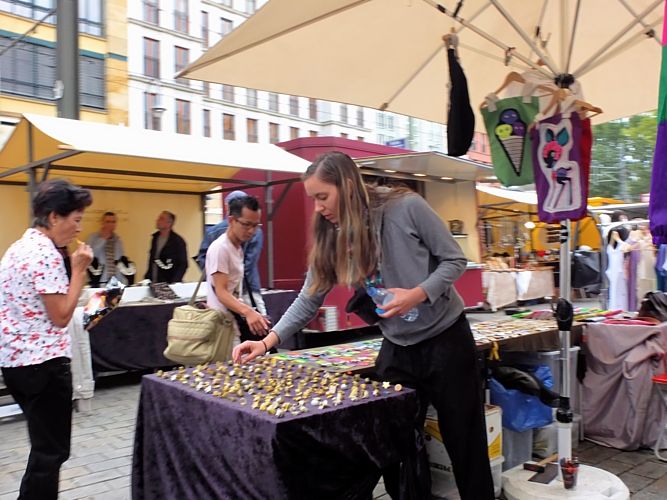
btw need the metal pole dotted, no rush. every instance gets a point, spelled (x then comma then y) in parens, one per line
(269, 229)
(564, 316)
(67, 57)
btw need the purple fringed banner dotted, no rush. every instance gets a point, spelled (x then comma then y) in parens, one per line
(658, 203)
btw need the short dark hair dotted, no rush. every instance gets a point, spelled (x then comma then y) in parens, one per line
(237, 205)
(108, 214)
(171, 216)
(59, 196)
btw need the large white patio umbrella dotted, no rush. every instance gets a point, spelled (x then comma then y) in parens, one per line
(389, 54)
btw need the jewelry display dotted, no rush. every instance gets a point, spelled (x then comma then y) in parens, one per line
(278, 387)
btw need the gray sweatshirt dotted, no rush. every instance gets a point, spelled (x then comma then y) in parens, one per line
(417, 250)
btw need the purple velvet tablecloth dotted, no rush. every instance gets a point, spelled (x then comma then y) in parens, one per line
(133, 337)
(191, 445)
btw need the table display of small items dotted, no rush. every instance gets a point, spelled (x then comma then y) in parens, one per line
(279, 387)
(350, 357)
(486, 332)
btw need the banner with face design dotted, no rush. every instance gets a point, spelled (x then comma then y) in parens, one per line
(561, 155)
(507, 121)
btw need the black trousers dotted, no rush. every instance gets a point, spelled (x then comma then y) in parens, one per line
(44, 393)
(445, 373)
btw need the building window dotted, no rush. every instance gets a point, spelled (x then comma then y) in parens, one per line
(206, 87)
(273, 102)
(293, 133)
(151, 58)
(26, 8)
(250, 6)
(313, 133)
(312, 109)
(343, 135)
(251, 125)
(90, 16)
(182, 116)
(274, 133)
(152, 119)
(360, 117)
(30, 70)
(228, 93)
(343, 113)
(181, 57)
(251, 97)
(206, 119)
(294, 105)
(228, 129)
(360, 139)
(226, 26)
(181, 16)
(204, 28)
(152, 11)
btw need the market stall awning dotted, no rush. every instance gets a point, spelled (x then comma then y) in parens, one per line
(117, 157)
(425, 166)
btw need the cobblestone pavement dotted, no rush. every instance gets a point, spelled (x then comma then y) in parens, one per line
(99, 467)
(102, 439)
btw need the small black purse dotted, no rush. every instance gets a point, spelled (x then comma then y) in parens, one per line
(363, 306)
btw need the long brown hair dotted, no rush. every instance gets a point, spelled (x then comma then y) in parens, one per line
(343, 254)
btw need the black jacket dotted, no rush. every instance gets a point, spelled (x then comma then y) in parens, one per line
(174, 255)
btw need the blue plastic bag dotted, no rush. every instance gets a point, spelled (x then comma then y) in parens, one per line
(521, 411)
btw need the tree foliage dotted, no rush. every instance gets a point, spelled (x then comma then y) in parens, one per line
(622, 157)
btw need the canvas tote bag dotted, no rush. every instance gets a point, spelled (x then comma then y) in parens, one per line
(197, 336)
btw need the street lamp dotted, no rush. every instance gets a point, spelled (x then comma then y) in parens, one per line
(157, 108)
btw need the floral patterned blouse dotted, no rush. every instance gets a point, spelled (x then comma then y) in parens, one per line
(31, 266)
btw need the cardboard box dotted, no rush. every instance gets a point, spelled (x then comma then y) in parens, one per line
(436, 450)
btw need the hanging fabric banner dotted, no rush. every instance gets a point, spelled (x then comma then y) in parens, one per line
(460, 117)
(506, 122)
(657, 208)
(561, 158)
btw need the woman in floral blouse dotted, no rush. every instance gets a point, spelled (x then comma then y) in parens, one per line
(37, 301)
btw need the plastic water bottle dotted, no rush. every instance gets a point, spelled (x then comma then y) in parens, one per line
(381, 296)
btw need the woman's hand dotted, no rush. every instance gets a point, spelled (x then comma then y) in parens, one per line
(247, 351)
(257, 324)
(81, 258)
(404, 300)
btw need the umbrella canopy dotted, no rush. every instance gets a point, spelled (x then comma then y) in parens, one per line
(99, 155)
(389, 54)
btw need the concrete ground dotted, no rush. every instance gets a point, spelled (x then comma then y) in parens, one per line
(102, 439)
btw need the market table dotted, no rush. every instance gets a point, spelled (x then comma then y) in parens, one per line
(506, 287)
(190, 444)
(527, 335)
(133, 336)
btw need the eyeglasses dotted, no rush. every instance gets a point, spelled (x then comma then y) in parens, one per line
(248, 225)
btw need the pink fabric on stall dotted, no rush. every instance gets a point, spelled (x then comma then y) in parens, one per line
(620, 408)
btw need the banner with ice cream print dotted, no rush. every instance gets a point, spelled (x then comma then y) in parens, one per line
(561, 161)
(507, 121)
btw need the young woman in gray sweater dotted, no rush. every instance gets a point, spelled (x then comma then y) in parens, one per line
(366, 237)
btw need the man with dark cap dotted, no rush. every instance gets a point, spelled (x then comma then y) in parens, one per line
(252, 250)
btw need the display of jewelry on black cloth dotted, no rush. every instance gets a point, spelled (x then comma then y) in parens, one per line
(278, 387)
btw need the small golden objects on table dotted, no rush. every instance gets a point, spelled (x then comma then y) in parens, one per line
(278, 387)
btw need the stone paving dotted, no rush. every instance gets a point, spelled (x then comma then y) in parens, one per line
(99, 467)
(102, 440)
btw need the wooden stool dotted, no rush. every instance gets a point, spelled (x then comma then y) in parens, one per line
(660, 382)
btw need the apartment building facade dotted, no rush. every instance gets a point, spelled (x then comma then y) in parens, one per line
(28, 66)
(165, 35)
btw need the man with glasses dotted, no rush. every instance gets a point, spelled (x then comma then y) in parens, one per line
(225, 265)
(252, 250)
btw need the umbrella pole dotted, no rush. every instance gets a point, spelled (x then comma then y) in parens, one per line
(564, 315)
